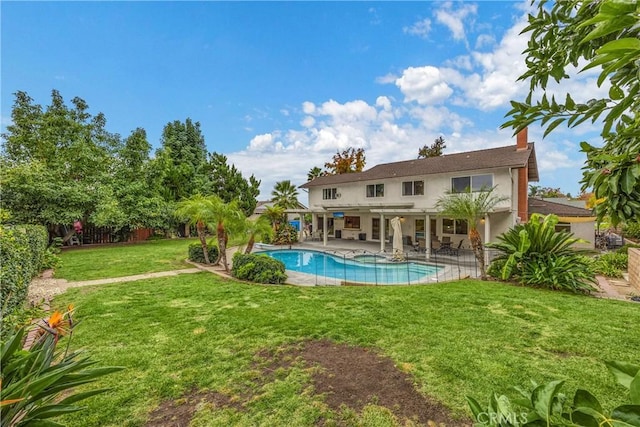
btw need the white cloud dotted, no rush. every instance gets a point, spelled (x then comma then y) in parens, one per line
(454, 19)
(308, 107)
(386, 79)
(308, 122)
(485, 40)
(262, 142)
(421, 28)
(424, 85)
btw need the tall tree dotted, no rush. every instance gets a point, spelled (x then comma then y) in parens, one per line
(434, 150)
(183, 159)
(55, 161)
(350, 160)
(285, 195)
(227, 182)
(472, 207)
(604, 35)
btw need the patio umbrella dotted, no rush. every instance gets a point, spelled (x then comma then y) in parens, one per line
(396, 226)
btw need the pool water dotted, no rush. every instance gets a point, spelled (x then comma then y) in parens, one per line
(351, 270)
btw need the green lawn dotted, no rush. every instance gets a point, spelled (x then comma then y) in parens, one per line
(102, 262)
(465, 338)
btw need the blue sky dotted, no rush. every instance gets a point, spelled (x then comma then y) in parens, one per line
(279, 87)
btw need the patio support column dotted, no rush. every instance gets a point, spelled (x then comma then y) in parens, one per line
(314, 223)
(325, 232)
(382, 233)
(302, 225)
(427, 235)
(487, 237)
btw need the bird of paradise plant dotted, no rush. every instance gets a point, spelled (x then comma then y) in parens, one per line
(36, 374)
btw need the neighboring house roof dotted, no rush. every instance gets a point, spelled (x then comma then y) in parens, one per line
(545, 207)
(569, 202)
(261, 206)
(490, 158)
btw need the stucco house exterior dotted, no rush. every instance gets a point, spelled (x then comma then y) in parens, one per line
(577, 220)
(360, 205)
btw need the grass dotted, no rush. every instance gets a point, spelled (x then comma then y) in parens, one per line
(102, 262)
(464, 338)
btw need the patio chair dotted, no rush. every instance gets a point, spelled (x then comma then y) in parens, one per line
(456, 251)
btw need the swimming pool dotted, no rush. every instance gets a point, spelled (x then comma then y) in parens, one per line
(351, 270)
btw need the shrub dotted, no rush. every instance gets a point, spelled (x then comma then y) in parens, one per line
(196, 254)
(611, 264)
(535, 254)
(495, 268)
(258, 268)
(285, 235)
(38, 382)
(545, 405)
(632, 230)
(22, 252)
(624, 249)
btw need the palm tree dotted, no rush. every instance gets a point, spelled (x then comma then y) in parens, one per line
(313, 173)
(471, 207)
(285, 195)
(275, 215)
(197, 210)
(257, 228)
(228, 218)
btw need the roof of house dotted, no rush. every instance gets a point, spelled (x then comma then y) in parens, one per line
(545, 207)
(490, 158)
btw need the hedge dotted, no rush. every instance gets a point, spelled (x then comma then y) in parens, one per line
(196, 254)
(22, 251)
(258, 268)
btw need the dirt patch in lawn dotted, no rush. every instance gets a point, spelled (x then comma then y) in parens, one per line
(356, 376)
(179, 412)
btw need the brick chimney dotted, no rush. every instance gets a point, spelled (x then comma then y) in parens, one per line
(523, 178)
(522, 140)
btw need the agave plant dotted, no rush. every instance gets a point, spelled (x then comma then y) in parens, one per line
(35, 374)
(536, 254)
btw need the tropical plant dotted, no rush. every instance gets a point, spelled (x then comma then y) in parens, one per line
(314, 173)
(536, 254)
(39, 381)
(286, 234)
(472, 207)
(545, 405)
(198, 210)
(611, 264)
(228, 218)
(285, 195)
(257, 228)
(275, 214)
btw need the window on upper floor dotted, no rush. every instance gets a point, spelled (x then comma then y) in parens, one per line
(466, 184)
(375, 190)
(413, 188)
(329, 193)
(352, 222)
(563, 226)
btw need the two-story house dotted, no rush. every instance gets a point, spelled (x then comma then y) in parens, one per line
(360, 205)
